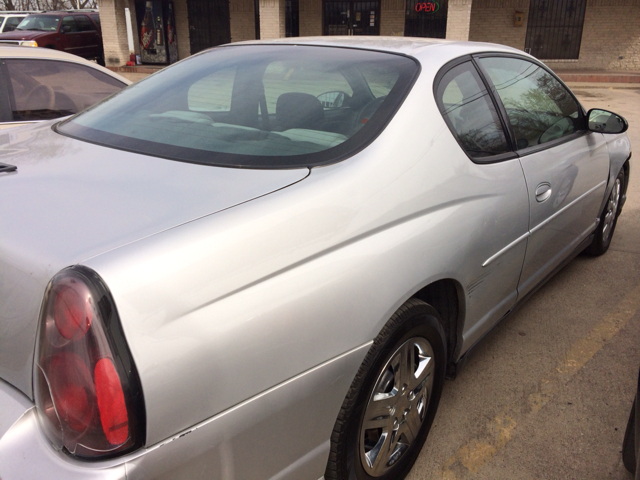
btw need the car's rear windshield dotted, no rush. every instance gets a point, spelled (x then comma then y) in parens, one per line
(260, 106)
(41, 23)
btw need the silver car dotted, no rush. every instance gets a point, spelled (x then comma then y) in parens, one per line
(262, 262)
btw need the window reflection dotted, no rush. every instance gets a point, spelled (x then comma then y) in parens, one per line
(470, 113)
(539, 108)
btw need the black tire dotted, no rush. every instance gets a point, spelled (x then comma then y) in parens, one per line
(629, 443)
(100, 60)
(415, 325)
(606, 227)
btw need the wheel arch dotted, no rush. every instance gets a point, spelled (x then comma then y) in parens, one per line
(447, 297)
(625, 168)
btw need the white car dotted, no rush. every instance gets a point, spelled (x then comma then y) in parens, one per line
(41, 84)
(10, 20)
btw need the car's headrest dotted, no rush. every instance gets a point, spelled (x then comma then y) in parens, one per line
(299, 110)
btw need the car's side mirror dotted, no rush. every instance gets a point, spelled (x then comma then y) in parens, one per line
(603, 121)
(65, 28)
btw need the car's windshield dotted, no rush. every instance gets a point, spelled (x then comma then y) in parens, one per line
(43, 23)
(265, 106)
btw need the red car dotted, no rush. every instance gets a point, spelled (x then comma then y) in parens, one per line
(72, 32)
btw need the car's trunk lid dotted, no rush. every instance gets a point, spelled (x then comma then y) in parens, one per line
(70, 200)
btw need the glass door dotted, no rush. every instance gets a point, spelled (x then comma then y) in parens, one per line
(351, 18)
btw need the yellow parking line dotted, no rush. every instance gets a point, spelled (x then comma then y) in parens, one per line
(475, 454)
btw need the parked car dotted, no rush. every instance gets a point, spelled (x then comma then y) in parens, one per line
(9, 20)
(40, 84)
(76, 32)
(261, 262)
(631, 443)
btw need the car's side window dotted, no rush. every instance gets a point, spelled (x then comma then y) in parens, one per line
(69, 25)
(96, 19)
(84, 24)
(12, 23)
(379, 78)
(283, 77)
(539, 107)
(45, 89)
(469, 112)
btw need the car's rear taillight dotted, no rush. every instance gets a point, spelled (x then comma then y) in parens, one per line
(87, 389)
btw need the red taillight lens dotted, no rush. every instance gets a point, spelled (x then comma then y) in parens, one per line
(72, 390)
(113, 411)
(86, 387)
(72, 311)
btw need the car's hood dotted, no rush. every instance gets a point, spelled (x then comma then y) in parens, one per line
(22, 35)
(70, 200)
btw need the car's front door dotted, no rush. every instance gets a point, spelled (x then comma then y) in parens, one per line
(565, 167)
(69, 39)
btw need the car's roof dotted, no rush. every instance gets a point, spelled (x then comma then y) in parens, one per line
(15, 51)
(404, 45)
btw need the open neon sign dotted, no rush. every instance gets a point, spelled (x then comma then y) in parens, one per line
(429, 7)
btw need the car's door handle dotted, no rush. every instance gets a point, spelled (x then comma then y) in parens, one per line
(543, 192)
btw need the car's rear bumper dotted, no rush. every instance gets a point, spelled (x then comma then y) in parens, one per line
(282, 433)
(25, 453)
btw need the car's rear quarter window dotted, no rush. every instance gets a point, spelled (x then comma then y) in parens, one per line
(470, 113)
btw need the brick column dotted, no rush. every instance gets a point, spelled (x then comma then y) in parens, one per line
(114, 31)
(182, 28)
(392, 17)
(310, 18)
(459, 19)
(272, 21)
(242, 20)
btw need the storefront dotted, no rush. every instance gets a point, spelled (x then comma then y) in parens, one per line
(577, 34)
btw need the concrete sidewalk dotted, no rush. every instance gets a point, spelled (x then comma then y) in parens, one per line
(597, 76)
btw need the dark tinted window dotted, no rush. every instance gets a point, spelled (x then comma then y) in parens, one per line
(45, 89)
(69, 25)
(84, 24)
(12, 23)
(96, 19)
(468, 110)
(254, 106)
(539, 108)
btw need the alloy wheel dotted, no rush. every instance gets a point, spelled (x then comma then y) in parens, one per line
(612, 210)
(396, 409)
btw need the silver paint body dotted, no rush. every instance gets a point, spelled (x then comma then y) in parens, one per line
(249, 297)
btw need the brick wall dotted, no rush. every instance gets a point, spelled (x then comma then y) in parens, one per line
(272, 19)
(182, 28)
(242, 20)
(134, 27)
(492, 21)
(392, 17)
(610, 37)
(458, 19)
(310, 18)
(114, 28)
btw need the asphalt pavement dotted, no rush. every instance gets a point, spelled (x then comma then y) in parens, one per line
(547, 394)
